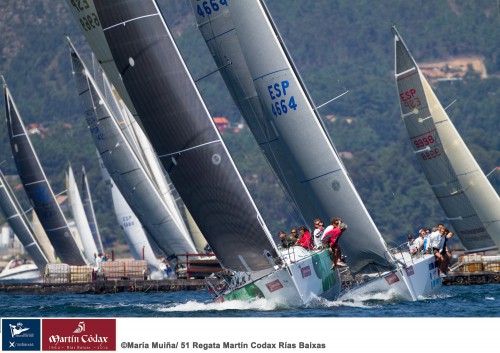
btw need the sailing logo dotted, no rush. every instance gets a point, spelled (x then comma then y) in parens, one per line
(79, 335)
(20, 335)
(80, 328)
(17, 329)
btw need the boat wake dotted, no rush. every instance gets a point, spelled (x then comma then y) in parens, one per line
(190, 306)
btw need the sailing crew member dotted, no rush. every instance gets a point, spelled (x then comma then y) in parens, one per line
(318, 232)
(331, 236)
(305, 238)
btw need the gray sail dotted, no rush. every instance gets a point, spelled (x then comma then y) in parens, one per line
(469, 201)
(183, 134)
(266, 87)
(38, 188)
(89, 211)
(19, 223)
(126, 169)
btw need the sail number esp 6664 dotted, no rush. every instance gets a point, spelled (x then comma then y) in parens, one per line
(280, 103)
(208, 7)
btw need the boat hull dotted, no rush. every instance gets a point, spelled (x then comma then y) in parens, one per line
(298, 283)
(26, 272)
(416, 279)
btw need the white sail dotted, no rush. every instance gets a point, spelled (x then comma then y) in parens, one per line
(43, 239)
(81, 221)
(89, 211)
(468, 199)
(132, 228)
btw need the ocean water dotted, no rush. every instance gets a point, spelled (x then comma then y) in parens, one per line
(481, 301)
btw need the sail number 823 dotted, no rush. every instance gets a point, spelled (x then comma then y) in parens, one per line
(281, 104)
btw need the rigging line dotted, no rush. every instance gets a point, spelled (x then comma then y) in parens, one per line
(331, 100)
(62, 192)
(188, 149)
(487, 175)
(449, 105)
(124, 23)
(216, 70)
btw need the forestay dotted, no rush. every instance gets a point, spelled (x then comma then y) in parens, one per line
(469, 201)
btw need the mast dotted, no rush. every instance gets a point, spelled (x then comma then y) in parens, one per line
(19, 223)
(125, 168)
(89, 211)
(272, 98)
(183, 134)
(38, 188)
(467, 198)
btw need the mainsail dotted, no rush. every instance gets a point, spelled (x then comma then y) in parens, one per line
(126, 169)
(38, 188)
(469, 201)
(19, 223)
(89, 211)
(183, 134)
(271, 96)
(82, 224)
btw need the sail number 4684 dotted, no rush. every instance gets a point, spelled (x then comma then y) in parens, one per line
(281, 104)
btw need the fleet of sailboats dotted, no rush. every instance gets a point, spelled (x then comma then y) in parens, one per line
(126, 168)
(152, 129)
(192, 152)
(271, 96)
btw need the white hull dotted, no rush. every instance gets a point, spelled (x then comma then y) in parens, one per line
(25, 272)
(419, 279)
(307, 276)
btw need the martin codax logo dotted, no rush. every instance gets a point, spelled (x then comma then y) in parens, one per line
(20, 335)
(83, 335)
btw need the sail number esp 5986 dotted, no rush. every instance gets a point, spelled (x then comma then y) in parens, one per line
(281, 104)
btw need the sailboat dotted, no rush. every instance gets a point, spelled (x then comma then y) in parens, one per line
(468, 199)
(81, 222)
(192, 152)
(20, 225)
(126, 169)
(89, 211)
(38, 188)
(271, 96)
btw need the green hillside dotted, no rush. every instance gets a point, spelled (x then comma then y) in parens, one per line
(337, 46)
